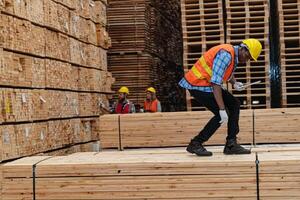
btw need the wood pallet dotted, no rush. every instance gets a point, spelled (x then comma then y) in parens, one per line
(127, 175)
(250, 19)
(202, 24)
(289, 45)
(176, 129)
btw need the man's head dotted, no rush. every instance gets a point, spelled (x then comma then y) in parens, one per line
(150, 93)
(250, 48)
(123, 92)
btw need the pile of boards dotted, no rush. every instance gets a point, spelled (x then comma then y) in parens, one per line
(147, 49)
(53, 73)
(258, 126)
(267, 173)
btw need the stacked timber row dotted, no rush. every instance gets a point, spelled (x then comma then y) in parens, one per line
(53, 74)
(259, 126)
(202, 26)
(250, 19)
(289, 18)
(146, 49)
(268, 173)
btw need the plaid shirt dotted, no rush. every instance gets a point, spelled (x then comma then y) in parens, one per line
(220, 64)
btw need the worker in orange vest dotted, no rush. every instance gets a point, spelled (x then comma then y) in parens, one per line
(204, 82)
(152, 104)
(124, 106)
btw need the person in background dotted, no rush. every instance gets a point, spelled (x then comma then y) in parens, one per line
(124, 106)
(152, 104)
(204, 82)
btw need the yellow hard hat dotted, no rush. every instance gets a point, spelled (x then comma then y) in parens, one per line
(254, 47)
(124, 89)
(151, 89)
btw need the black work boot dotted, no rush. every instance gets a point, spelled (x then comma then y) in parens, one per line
(232, 147)
(198, 149)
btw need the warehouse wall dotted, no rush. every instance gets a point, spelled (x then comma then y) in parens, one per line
(53, 73)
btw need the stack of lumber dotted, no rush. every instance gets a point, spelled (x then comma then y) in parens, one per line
(250, 19)
(279, 175)
(277, 125)
(164, 129)
(270, 172)
(124, 175)
(176, 129)
(289, 47)
(19, 140)
(146, 48)
(202, 27)
(53, 77)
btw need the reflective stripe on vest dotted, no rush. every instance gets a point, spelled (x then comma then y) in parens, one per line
(201, 73)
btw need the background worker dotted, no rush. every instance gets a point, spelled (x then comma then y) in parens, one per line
(204, 81)
(152, 104)
(123, 105)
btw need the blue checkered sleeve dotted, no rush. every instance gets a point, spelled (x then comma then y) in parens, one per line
(220, 64)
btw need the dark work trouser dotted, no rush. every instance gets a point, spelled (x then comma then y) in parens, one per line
(232, 105)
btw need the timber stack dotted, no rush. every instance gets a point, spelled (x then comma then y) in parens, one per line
(146, 49)
(53, 61)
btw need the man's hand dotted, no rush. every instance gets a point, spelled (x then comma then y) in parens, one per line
(224, 116)
(239, 86)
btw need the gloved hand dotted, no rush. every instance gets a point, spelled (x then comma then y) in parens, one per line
(239, 86)
(224, 116)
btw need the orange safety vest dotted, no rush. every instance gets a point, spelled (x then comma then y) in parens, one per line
(200, 74)
(151, 106)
